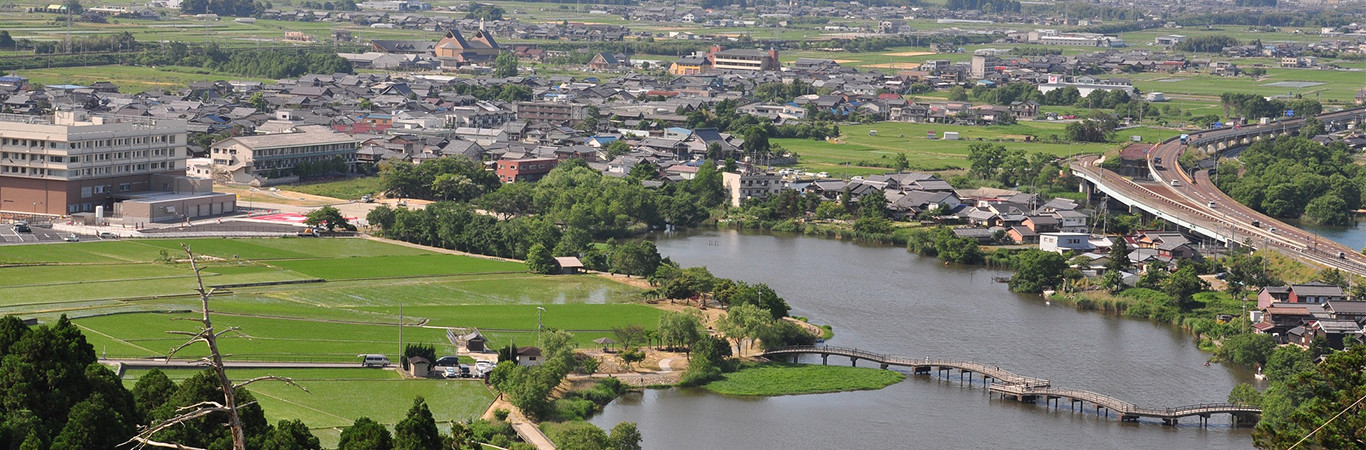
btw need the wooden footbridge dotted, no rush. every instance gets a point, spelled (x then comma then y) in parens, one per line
(1028, 389)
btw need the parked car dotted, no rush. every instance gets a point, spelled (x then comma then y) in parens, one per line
(451, 373)
(373, 360)
(465, 371)
(309, 232)
(22, 227)
(71, 238)
(447, 361)
(108, 235)
(483, 366)
(367, 198)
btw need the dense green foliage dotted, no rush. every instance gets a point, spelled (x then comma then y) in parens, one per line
(986, 6)
(941, 242)
(365, 434)
(418, 430)
(1306, 400)
(55, 394)
(1037, 270)
(1014, 167)
(1253, 106)
(1207, 44)
(1294, 177)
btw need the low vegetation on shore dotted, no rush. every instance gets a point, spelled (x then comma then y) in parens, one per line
(773, 378)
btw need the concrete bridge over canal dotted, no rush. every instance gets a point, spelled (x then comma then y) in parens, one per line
(1024, 388)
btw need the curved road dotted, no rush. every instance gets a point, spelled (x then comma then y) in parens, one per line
(1235, 220)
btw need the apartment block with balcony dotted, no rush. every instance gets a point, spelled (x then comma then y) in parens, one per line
(245, 159)
(75, 161)
(750, 184)
(743, 59)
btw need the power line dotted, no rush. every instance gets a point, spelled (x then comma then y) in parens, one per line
(1335, 416)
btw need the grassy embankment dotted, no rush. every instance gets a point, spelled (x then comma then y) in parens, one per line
(770, 379)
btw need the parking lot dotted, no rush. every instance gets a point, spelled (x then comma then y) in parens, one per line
(37, 234)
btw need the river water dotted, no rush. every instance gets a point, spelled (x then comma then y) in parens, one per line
(887, 300)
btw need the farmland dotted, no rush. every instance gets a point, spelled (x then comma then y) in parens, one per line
(337, 397)
(346, 301)
(857, 146)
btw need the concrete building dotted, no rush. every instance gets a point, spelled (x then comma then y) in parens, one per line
(743, 59)
(983, 65)
(1060, 242)
(529, 169)
(552, 112)
(74, 162)
(247, 159)
(747, 185)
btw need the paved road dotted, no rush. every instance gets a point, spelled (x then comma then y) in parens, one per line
(1236, 220)
(187, 364)
(1196, 200)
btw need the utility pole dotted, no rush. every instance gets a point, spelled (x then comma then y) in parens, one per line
(400, 331)
(539, 324)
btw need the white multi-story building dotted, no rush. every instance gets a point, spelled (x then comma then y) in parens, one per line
(747, 185)
(245, 159)
(74, 161)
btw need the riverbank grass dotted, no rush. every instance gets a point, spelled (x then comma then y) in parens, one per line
(771, 379)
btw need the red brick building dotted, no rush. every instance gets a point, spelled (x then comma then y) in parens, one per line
(530, 169)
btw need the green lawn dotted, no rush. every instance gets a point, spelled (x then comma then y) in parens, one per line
(337, 397)
(769, 379)
(348, 189)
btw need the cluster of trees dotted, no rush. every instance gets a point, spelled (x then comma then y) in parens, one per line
(880, 43)
(529, 387)
(505, 65)
(942, 243)
(457, 179)
(270, 63)
(564, 212)
(1097, 128)
(986, 6)
(339, 5)
(481, 11)
(239, 8)
(1013, 167)
(1314, 404)
(1253, 106)
(1207, 44)
(508, 92)
(1295, 177)
(58, 396)
(782, 92)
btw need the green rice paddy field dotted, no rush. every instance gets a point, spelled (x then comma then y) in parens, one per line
(337, 397)
(350, 296)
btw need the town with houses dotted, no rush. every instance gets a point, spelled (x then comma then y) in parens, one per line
(517, 97)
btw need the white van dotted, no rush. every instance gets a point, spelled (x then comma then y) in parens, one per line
(373, 360)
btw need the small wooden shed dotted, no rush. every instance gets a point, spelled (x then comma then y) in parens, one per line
(569, 264)
(475, 341)
(419, 367)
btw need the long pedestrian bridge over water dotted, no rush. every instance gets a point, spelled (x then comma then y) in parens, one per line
(1027, 389)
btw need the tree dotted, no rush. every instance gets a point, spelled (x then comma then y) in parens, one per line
(1312, 127)
(6, 41)
(629, 336)
(900, 163)
(1245, 394)
(632, 356)
(417, 431)
(744, 321)
(1183, 285)
(73, 6)
(1321, 405)
(1247, 349)
(625, 436)
(93, 423)
(152, 390)
(327, 216)
(679, 329)
(1112, 280)
(1119, 256)
(1328, 209)
(365, 434)
(1036, 270)
(455, 187)
(539, 260)
(505, 65)
(580, 435)
(291, 435)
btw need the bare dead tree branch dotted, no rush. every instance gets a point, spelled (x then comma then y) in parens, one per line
(285, 380)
